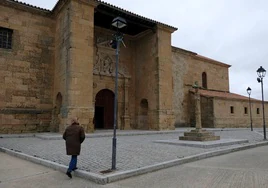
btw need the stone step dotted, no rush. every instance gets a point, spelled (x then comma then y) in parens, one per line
(199, 134)
(197, 138)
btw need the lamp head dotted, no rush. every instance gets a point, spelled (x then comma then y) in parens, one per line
(119, 22)
(249, 90)
(261, 72)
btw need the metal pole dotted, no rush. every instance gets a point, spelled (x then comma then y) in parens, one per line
(115, 102)
(264, 128)
(250, 113)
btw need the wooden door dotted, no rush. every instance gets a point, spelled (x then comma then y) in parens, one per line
(104, 109)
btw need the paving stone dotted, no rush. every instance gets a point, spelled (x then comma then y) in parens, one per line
(133, 151)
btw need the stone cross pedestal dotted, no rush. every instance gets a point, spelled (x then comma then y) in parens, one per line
(198, 134)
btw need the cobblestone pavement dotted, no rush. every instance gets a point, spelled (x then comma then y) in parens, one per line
(133, 152)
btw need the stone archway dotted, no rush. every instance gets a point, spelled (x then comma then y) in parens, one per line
(104, 109)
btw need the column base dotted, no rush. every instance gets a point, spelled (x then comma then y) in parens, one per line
(199, 135)
(126, 123)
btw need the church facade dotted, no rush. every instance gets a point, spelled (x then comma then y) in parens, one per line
(58, 64)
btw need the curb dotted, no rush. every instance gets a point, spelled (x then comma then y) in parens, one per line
(196, 144)
(116, 176)
(135, 133)
(56, 166)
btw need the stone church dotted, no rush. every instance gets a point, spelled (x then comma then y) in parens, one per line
(57, 64)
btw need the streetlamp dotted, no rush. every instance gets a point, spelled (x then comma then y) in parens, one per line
(119, 23)
(249, 92)
(261, 74)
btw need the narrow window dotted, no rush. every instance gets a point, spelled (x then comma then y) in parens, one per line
(204, 80)
(232, 109)
(246, 110)
(5, 38)
(258, 111)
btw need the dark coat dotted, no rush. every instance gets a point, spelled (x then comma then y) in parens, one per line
(74, 135)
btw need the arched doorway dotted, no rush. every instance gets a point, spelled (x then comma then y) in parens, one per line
(104, 109)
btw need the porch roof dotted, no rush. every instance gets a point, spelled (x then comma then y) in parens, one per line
(104, 14)
(224, 94)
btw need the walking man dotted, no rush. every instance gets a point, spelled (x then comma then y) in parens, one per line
(74, 135)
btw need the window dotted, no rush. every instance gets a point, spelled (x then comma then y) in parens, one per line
(232, 109)
(258, 111)
(5, 38)
(246, 110)
(204, 80)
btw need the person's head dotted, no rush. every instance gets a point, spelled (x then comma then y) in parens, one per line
(74, 120)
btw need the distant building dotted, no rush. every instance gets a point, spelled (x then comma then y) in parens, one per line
(58, 64)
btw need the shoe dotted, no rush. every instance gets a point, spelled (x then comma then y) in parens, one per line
(69, 174)
(75, 168)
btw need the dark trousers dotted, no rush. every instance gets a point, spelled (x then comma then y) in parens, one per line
(72, 163)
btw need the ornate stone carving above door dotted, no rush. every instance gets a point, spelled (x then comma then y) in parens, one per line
(105, 65)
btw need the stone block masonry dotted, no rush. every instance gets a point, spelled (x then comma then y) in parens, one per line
(26, 71)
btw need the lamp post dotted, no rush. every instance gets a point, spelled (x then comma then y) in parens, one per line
(249, 101)
(119, 23)
(261, 74)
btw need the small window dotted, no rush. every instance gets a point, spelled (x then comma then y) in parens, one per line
(258, 111)
(204, 80)
(5, 38)
(232, 109)
(246, 110)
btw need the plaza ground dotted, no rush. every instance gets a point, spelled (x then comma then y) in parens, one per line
(135, 149)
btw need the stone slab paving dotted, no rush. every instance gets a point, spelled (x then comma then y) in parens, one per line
(134, 151)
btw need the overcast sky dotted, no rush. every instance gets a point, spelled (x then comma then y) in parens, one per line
(234, 32)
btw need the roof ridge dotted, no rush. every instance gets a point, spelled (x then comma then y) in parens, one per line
(231, 95)
(101, 2)
(28, 5)
(134, 14)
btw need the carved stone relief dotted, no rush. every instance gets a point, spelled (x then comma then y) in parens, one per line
(106, 59)
(104, 65)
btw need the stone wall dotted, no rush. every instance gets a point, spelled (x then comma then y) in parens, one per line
(146, 80)
(164, 76)
(181, 97)
(224, 117)
(74, 57)
(187, 69)
(217, 73)
(26, 70)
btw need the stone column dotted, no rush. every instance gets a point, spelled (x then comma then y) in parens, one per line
(165, 112)
(198, 134)
(76, 82)
(198, 123)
